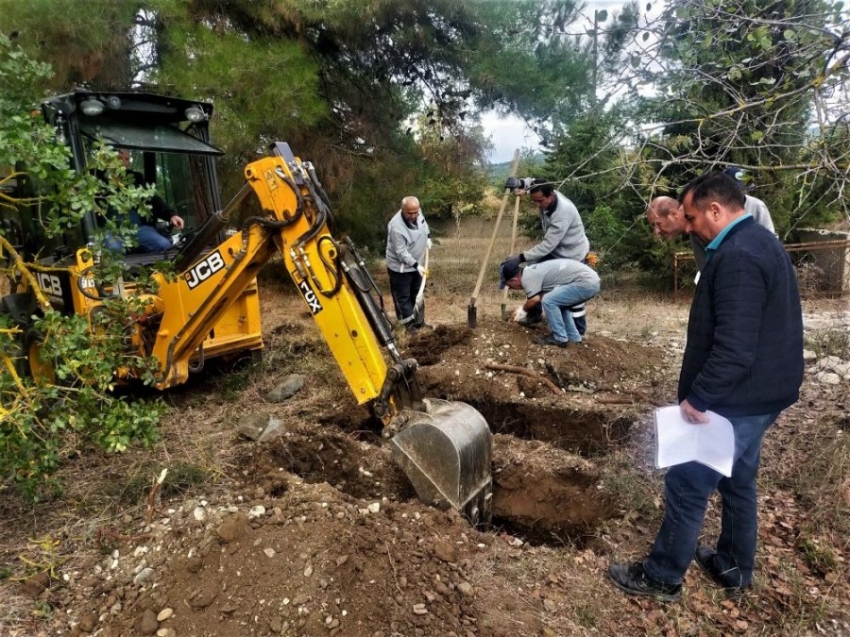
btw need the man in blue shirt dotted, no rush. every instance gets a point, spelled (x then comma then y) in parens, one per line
(744, 361)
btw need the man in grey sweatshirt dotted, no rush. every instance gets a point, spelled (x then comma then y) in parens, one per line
(408, 237)
(563, 235)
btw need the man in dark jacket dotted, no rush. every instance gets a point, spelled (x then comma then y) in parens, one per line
(744, 361)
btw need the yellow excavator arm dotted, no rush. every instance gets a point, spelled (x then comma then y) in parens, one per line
(329, 274)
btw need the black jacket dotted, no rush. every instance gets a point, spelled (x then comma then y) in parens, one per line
(744, 355)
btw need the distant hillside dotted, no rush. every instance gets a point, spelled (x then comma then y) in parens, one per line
(499, 172)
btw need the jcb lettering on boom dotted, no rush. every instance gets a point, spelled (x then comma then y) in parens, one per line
(312, 300)
(204, 270)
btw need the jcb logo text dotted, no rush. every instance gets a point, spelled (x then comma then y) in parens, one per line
(204, 270)
(50, 284)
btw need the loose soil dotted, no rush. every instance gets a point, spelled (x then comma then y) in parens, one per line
(317, 532)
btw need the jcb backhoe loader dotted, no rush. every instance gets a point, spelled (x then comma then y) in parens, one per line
(211, 307)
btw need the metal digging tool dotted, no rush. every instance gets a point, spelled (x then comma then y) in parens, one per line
(419, 305)
(471, 310)
(446, 453)
(513, 247)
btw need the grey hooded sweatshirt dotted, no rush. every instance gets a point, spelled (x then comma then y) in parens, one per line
(406, 245)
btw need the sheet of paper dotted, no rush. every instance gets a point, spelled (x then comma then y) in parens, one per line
(678, 441)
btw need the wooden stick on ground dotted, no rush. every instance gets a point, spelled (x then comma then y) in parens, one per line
(526, 372)
(151, 499)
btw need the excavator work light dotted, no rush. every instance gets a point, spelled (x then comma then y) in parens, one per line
(195, 114)
(91, 107)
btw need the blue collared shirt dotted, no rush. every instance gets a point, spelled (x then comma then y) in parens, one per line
(712, 247)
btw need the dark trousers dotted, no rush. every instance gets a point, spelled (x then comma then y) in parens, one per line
(404, 287)
(688, 488)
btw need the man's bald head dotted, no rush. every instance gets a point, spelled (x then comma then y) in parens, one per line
(665, 217)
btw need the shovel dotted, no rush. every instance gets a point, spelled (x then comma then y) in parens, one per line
(471, 310)
(419, 305)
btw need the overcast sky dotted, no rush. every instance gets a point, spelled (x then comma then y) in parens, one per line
(507, 134)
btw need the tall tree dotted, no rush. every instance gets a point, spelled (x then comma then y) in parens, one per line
(87, 43)
(748, 83)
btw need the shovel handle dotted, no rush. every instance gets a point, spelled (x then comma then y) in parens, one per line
(512, 173)
(513, 249)
(421, 293)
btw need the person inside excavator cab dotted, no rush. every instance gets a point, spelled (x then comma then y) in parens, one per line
(147, 236)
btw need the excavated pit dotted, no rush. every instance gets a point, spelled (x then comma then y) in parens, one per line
(587, 432)
(547, 443)
(541, 493)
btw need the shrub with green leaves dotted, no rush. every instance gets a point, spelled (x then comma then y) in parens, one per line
(73, 404)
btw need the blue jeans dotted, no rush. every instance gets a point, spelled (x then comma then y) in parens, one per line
(151, 241)
(687, 490)
(557, 304)
(147, 236)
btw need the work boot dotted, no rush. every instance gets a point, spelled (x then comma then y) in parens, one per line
(704, 557)
(550, 340)
(581, 325)
(632, 579)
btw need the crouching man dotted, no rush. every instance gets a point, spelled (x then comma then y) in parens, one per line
(557, 285)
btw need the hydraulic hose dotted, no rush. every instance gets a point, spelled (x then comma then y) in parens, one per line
(208, 233)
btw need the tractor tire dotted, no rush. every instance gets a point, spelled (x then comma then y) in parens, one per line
(41, 371)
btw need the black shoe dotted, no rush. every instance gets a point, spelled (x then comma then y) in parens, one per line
(581, 325)
(632, 579)
(704, 557)
(550, 340)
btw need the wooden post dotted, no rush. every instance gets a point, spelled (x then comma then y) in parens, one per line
(513, 249)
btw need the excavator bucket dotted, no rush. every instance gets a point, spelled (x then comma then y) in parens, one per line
(446, 453)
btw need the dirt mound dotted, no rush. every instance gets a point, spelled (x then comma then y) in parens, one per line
(292, 557)
(310, 562)
(598, 363)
